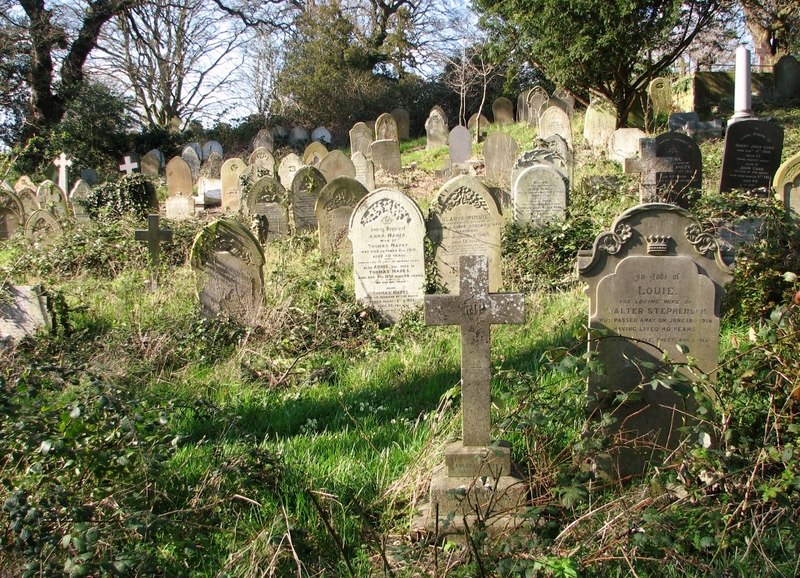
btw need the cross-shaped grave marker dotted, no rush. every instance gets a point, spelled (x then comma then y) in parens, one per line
(63, 163)
(128, 166)
(153, 235)
(475, 310)
(648, 165)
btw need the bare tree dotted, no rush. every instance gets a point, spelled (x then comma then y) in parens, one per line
(774, 26)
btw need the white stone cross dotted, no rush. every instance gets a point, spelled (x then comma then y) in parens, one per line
(475, 310)
(129, 166)
(648, 165)
(63, 163)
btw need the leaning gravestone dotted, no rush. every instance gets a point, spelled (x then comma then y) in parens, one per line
(77, 198)
(365, 170)
(401, 117)
(599, 123)
(52, 198)
(536, 98)
(197, 149)
(12, 214)
(554, 121)
(436, 129)
(192, 158)
(387, 232)
(386, 128)
(179, 177)
(23, 310)
(786, 84)
(228, 264)
(540, 195)
(314, 153)
(265, 202)
(151, 164)
(336, 164)
(660, 92)
(385, 154)
(787, 185)
(334, 206)
(24, 182)
(304, 190)
(680, 185)
(751, 155)
(287, 168)
(264, 139)
(624, 144)
(655, 281)
(212, 165)
(360, 138)
(500, 151)
(30, 201)
(503, 110)
(231, 185)
(464, 220)
(42, 228)
(322, 135)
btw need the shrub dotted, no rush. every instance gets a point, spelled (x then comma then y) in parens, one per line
(133, 194)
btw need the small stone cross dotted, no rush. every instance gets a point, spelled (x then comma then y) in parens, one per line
(475, 310)
(153, 235)
(128, 166)
(648, 165)
(63, 163)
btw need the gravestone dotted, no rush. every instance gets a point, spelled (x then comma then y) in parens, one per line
(403, 120)
(299, 138)
(500, 151)
(90, 176)
(12, 214)
(192, 158)
(786, 75)
(131, 163)
(251, 174)
(228, 265)
(557, 103)
(209, 191)
(751, 155)
(555, 121)
(649, 165)
(179, 207)
(503, 110)
(336, 164)
(655, 281)
(42, 228)
(537, 102)
(210, 147)
(263, 159)
(680, 185)
(23, 310)
(24, 182)
(385, 154)
(386, 128)
(179, 177)
(522, 107)
(365, 170)
(231, 185)
(624, 144)
(280, 136)
(556, 143)
(540, 195)
(212, 165)
(360, 138)
(198, 150)
(321, 135)
(460, 144)
(476, 476)
(265, 202)
(436, 130)
(387, 232)
(472, 124)
(264, 139)
(334, 206)
(151, 164)
(464, 220)
(787, 185)
(539, 156)
(566, 98)
(52, 198)
(287, 168)
(77, 198)
(63, 164)
(30, 202)
(660, 92)
(314, 153)
(599, 123)
(304, 190)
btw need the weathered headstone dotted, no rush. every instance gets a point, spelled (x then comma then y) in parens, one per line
(334, 206)
(522, 107)
(23, 310)
(178, 207)
(265, 202)
(660, 92)
(192, 158)
(751, 155)
(287, 168)
(42, 228)
(477, 472)
(436, 129)
(212, 146)
(385, 154)
(460, 144)
(90, 176)
(198, 150)
(386, 128)
(464, 220)
(599, 123)
(52, 198)
(314, 153)
(403, 120)
(212, 165)
(536, 98)
(151, 164)
(228, 264)
(77, 197)
(787, 185)
(230, 176)
(475, 120)
(500, 151)
(299, 138)
(503, 110)
(365, 170)
(555, 121)
(30, 201)
(540, 195)
(336, 164)
(655, 281)
(179, 177)
(12, 214)
(24, 182)
(264, 139)
(786, 74)
(387, 232)
(322, 135)
(280, 136)
(624, 144)
(649, 165)
(681, 185)
(539, 156)
(304, 190)
(360, 138)
(263, 159)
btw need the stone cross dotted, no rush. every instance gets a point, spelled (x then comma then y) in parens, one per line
(648, 165)
(153, 235)
(475, 310)
(128, 166)
(63, 163)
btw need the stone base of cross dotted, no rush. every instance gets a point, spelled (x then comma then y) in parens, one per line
(475, 482)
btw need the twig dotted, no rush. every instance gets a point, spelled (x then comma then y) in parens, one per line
(336, 540)
(291, 544)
